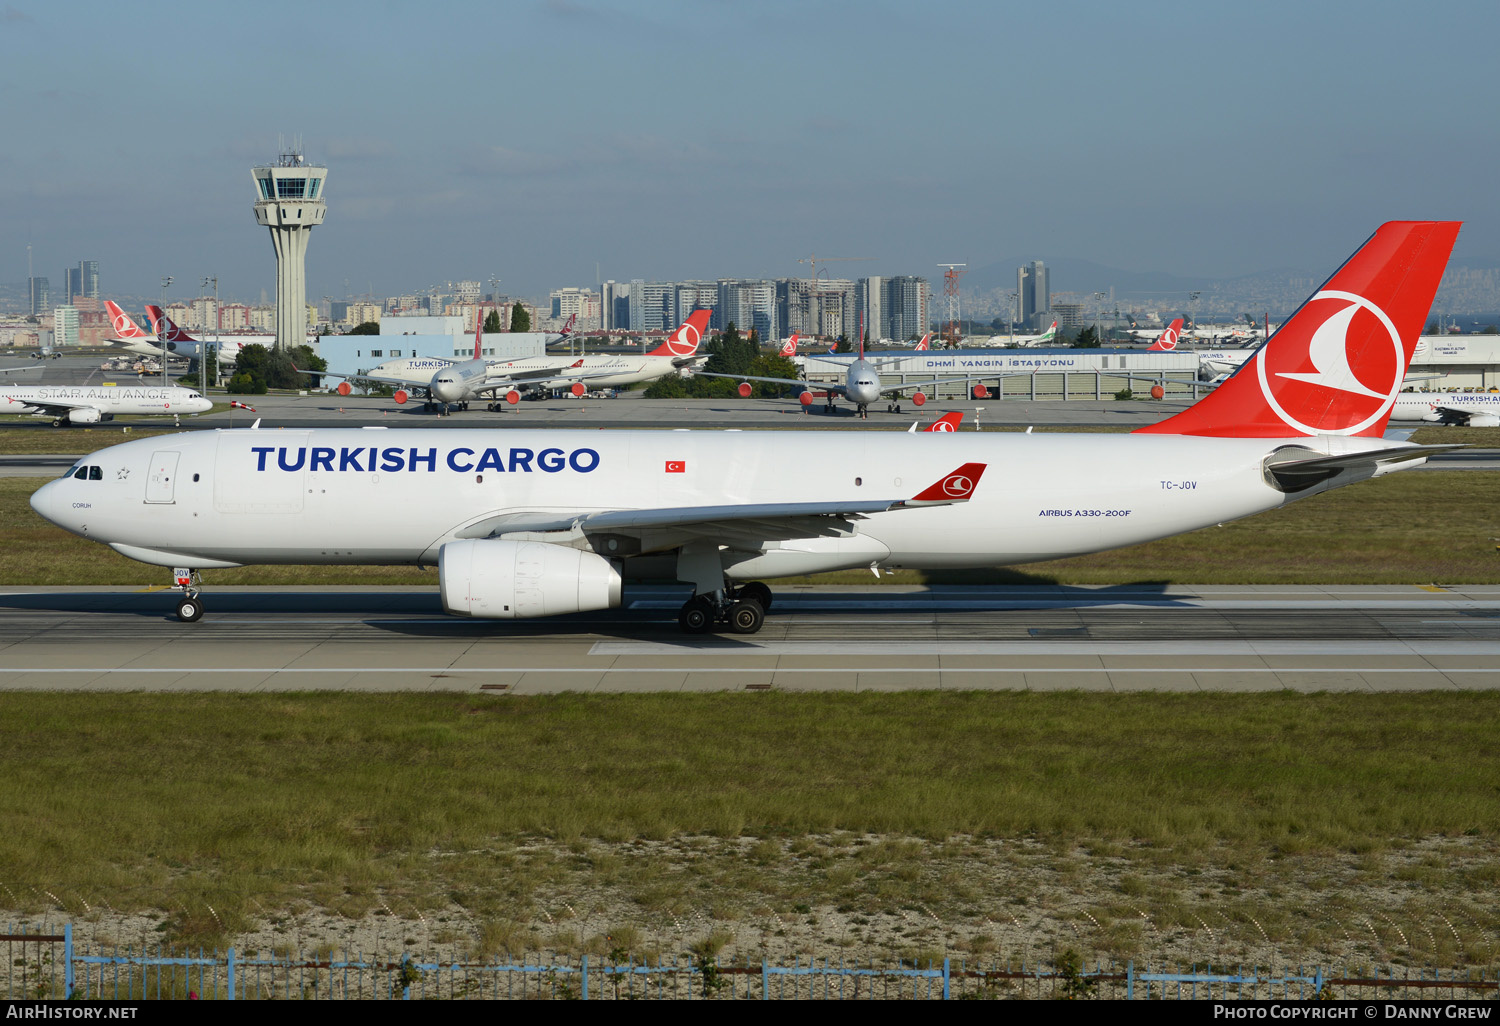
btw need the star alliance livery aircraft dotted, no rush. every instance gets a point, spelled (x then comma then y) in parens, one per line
(524, 523)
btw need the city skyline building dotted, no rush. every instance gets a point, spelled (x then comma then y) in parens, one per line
(290, 203)
(40, 295)
(1035, 295)
(749, 304)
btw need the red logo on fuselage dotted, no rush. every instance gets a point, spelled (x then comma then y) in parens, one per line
(1344, 370)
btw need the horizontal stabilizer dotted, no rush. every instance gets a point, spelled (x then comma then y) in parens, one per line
(1290, 472)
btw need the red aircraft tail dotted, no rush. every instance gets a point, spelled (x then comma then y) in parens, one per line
(684, 341)
(1337, 364)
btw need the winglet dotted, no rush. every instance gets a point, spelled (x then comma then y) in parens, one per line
(955, 487)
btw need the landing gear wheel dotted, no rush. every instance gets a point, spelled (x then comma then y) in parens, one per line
(59, 422)
(746, 616)
(189, 609)
(757, 591)
(697, 616)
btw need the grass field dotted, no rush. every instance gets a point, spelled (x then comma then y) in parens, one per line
(860, 804)
(1408, 528)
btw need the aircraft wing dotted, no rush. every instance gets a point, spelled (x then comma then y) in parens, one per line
(541, 379)
(1452, 413)
(837, 389)
(51, 407)
(745, 525)
(914, 385)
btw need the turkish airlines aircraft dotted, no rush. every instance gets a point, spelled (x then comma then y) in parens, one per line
(459, 383)
(525, 522)
(1167, 341)
(861, 385)
(925, 343)
(1470, 409)
(180, 344)
(94, 403)
(128, 335)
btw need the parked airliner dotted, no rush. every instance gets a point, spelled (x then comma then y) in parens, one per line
(90, 404)
(523, 522)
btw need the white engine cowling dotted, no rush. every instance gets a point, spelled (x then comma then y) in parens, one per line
(1484, 420)
(86, 415)
(498, 579)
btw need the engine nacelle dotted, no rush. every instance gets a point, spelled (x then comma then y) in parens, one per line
(496, 579)
(87, 415)
(1484, 420)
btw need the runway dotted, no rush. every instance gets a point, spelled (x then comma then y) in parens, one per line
(1131, 638)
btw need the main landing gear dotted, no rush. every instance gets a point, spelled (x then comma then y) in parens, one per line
(189, 607)
(742, 609)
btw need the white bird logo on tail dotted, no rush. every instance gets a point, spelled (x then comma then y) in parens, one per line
(1329, 352)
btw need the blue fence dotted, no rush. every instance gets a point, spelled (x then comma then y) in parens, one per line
(42, 965)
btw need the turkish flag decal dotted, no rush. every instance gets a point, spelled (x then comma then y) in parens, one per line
(676, 467)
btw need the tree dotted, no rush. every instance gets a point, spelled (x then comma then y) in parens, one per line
(1490, 329)
(520, 320)
(244, 384)
(1088, 338)
(492, 324)
(843, 345)
(366, 328)
(668, 386)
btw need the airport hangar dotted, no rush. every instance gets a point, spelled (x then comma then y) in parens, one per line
(1440, 363)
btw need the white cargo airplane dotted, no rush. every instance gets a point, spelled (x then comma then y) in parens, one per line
(91, 404)
(525, 523)
(1469, 409)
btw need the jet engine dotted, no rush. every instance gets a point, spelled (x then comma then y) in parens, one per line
(498, 579)
(86, 415)
(1484, 420)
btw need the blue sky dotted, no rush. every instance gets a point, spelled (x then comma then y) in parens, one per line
(686, 138)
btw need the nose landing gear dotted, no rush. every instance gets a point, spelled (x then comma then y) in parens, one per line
(189, 608)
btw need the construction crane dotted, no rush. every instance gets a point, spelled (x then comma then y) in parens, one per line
(829, 260)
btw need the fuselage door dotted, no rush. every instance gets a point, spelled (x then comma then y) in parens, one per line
(161, 481)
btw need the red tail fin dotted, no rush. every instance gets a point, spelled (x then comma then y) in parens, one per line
(789, 347)
(121, 322)
(947, 422)
(166, 329)
(1336, 365)
(1168, 339)
(926, 342)
(684, 341)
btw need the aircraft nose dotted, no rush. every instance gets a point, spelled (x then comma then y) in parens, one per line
(42, 501)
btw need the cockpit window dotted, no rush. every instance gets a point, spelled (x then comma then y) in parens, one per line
(86, 473)
(96, 473)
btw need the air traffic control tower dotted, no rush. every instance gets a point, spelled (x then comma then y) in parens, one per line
(289, 201)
